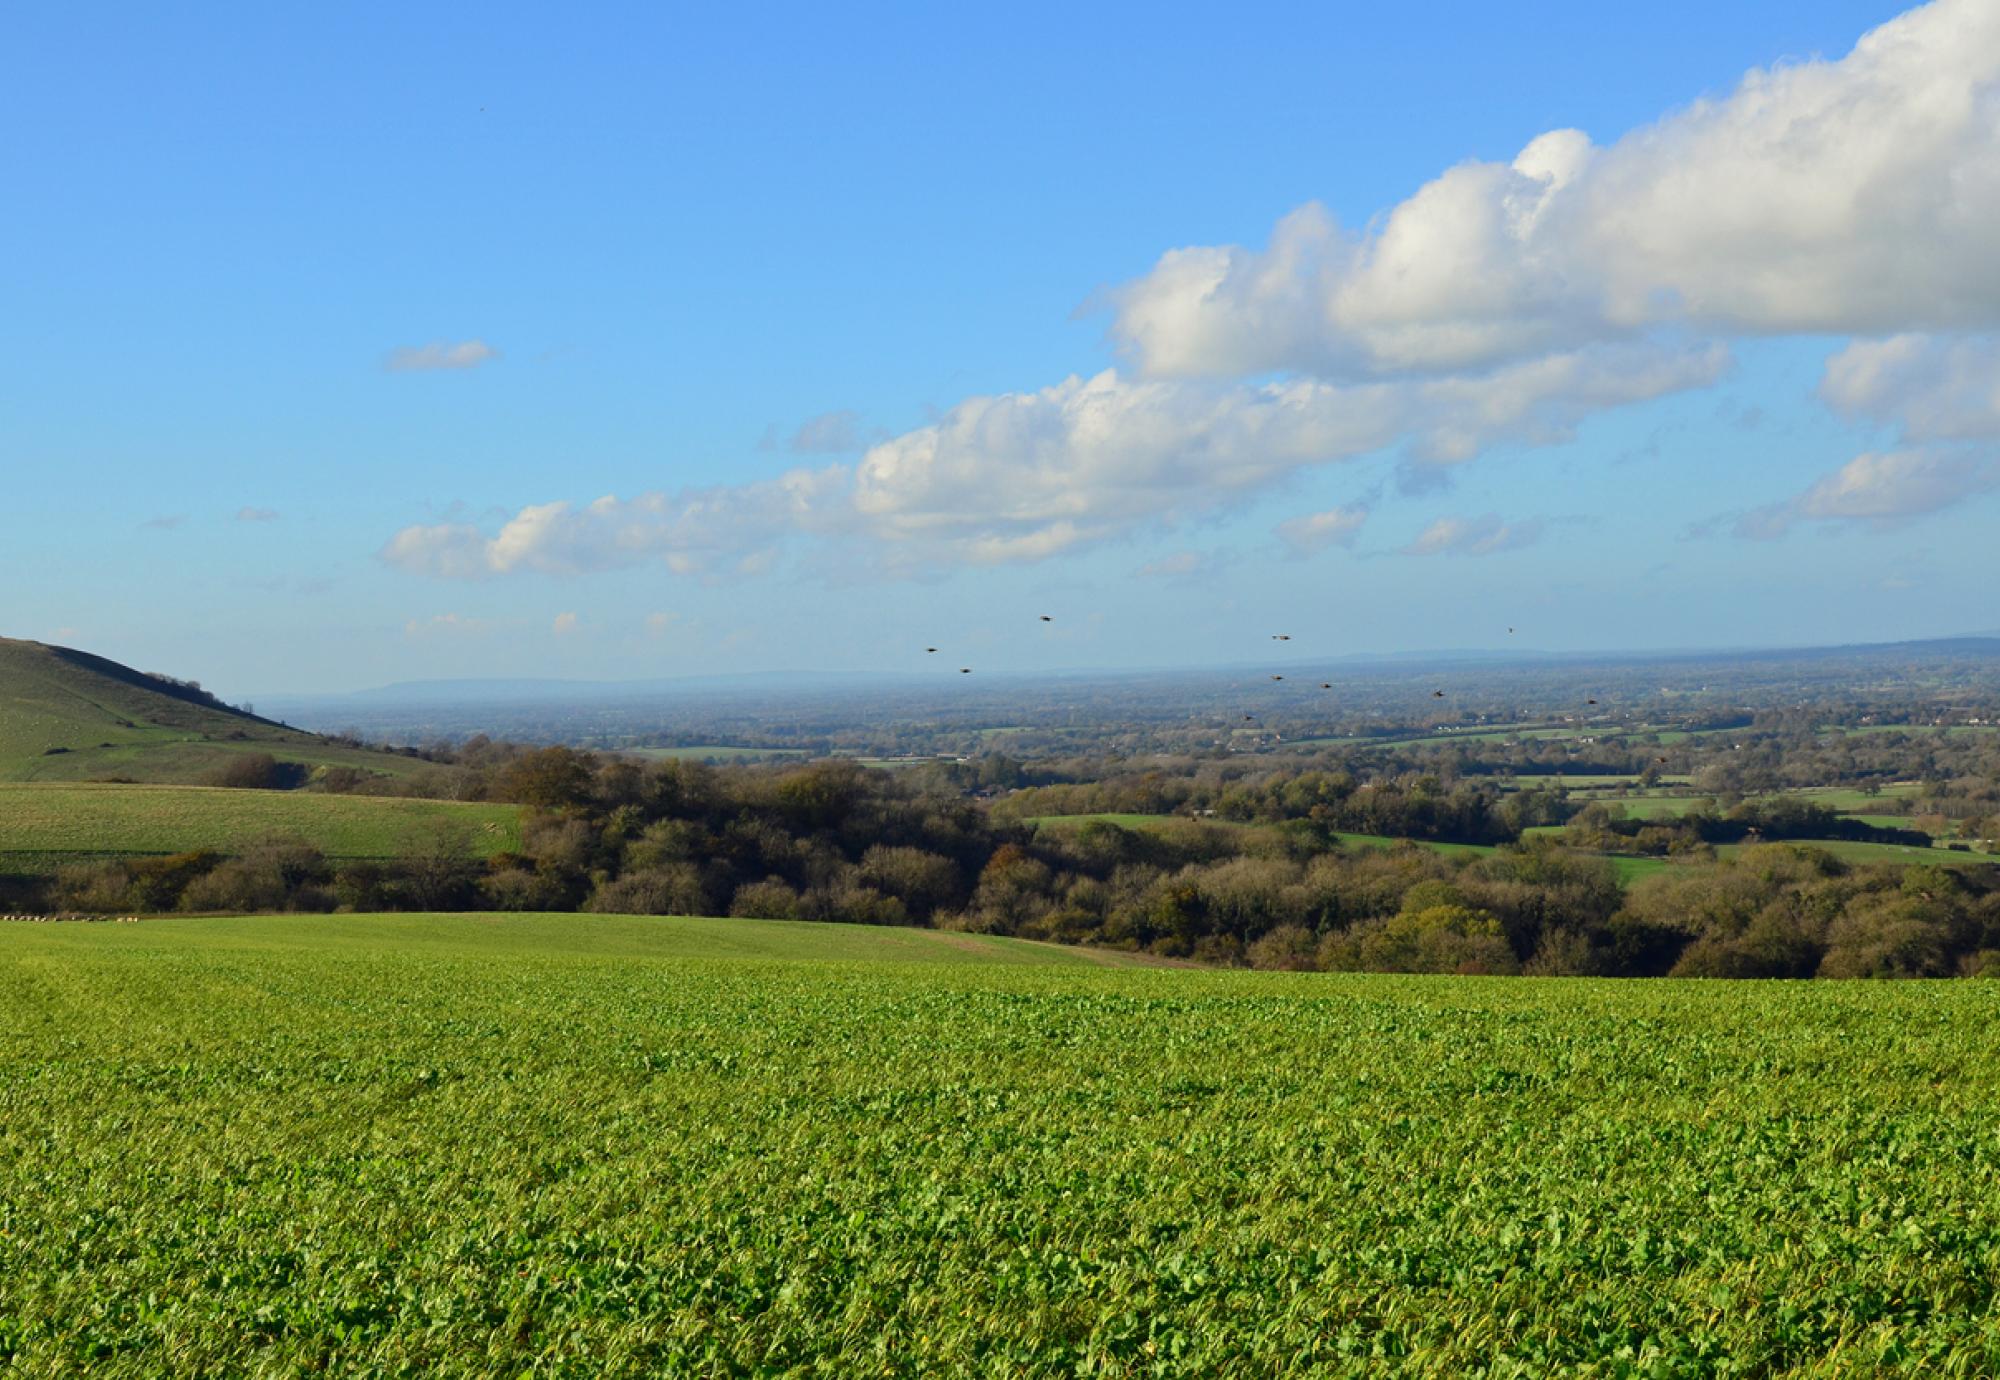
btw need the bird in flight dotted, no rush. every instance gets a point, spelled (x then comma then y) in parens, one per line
(1281, 637)
(1047, 619)
(1277, 677)
(1437, 694)
(965, 670)
(1326, 685)
(1590, 701)
(930, 649)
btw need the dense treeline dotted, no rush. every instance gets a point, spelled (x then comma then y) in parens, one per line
(1265, 882)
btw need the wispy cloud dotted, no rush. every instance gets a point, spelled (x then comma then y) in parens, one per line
(447, 625)
(1485, 535)
(566, 625)
(256, 514)
(1932, 388)
(166, 522)
(830, 433)
(1317, 531)
(1880, 491)
(469, 354)
(1179, 565)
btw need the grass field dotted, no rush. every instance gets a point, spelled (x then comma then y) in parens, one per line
(1854, 852)
(42, 825)
(1590, 781)
(576, 1146)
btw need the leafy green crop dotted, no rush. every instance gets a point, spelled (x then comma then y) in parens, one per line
(44, 824)
(594, 1146)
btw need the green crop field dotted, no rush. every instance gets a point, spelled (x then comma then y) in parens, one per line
(44, 824)
(592, 1146)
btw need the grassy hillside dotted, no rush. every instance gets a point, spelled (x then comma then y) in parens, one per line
(45, 824)
(457, 1146)
(66, 715)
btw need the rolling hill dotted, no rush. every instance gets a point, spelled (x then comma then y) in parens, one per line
(67, 715)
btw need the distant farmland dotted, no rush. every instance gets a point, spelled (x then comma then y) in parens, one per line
(713, 752)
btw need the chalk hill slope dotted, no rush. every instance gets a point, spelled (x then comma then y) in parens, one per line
(67, 715)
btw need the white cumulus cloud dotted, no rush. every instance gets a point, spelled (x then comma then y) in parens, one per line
(1848, 196)
(1503, 303)
(1020, 477)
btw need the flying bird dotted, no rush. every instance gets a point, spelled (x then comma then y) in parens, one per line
(1437, 694)
(1326, 685)
(1281, 637)
(1590, 701)
(930, 649)
(1047, 619)
(965, 670)
(1277, 677)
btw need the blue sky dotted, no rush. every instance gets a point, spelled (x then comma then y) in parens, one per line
(661, 244)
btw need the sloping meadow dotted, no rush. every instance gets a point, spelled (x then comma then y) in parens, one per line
(603, 1146)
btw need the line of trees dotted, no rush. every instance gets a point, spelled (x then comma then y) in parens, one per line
(833, 841)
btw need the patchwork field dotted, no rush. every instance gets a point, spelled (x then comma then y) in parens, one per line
(42, 825)
(456, 1146)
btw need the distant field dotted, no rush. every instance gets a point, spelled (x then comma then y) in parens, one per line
(1944, 729)
(1123, 821)
(1522, 731)
(41, 824)
(1885, 821)
(1847, 799)
(601, 1146)
(1588, 781)
(1383, 841)
(714, 752)
(1652, 806)
(1880, 853)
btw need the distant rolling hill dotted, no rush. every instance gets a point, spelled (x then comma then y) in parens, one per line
(66, 715)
